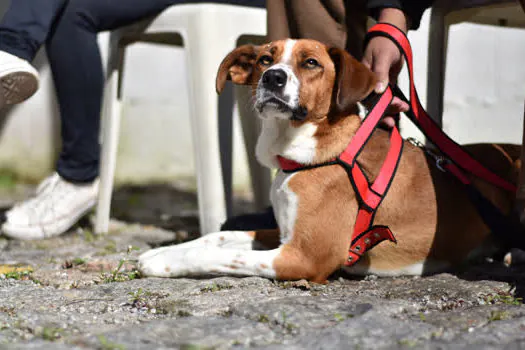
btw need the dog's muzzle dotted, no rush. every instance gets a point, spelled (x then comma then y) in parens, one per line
(274, 80)
(271, 91)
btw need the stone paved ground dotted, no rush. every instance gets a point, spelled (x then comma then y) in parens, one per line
(82, 293)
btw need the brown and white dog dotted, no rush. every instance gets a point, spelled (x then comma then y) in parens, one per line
(308, 97)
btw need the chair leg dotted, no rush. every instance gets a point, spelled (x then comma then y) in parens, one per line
(261, 176)
(226, 108)
(519, 205)
(436, 67)
(110, 136)
(203, 57)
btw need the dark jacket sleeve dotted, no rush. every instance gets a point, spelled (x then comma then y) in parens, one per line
(413, 8)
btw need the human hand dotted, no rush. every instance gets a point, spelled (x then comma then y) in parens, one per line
(383, 57)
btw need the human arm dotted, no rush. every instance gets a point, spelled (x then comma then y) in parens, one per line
(381, 55)
(413, 9)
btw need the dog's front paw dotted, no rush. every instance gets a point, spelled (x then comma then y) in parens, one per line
(161, 262)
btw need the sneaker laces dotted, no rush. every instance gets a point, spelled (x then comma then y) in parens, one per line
(48, 193)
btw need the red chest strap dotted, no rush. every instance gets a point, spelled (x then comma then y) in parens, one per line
(370, 195)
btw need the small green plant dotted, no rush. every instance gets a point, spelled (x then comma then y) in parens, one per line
(52, 333)
(19, 275)
(89, 236)
(214, 287)
(107, 345)
(183, 313)
(510, 300)
(210, 288)
(264, 318)
(194, 347)
(70, 263)
(79, 261)
(287, 325)
(501, 298)
(7, 180)
(144, 299)
(117, 275)
(408, 342)
(498, 315)
(139, 298)
(340, 317)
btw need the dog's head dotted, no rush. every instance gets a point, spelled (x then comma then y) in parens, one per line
(299, 80)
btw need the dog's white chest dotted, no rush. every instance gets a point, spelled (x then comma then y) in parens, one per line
(285, 204)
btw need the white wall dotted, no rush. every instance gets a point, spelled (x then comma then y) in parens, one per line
(485, 81)
(485, 90)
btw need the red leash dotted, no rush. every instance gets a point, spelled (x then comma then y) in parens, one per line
(370, 195)
(454, 152)
(456, 160)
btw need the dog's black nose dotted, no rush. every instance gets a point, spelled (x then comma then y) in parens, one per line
(274, 79)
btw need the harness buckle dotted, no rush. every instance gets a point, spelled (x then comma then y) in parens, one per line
(441, 161)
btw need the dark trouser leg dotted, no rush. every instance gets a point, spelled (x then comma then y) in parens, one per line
(78, 74)
(356, 19)
(77, 71)
(26, 24)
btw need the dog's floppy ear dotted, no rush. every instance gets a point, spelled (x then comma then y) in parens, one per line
(238, 67)
(353, 81)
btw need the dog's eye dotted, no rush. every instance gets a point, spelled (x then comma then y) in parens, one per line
(311, 63)
(266, 60)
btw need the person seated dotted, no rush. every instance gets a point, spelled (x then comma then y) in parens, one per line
(68, 28)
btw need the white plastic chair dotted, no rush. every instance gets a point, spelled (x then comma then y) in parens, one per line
(444, 13)
(207, 32)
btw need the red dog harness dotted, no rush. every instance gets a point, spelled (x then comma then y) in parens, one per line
(370, 195)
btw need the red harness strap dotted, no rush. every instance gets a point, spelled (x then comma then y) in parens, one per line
(453, 151)
(370, 195)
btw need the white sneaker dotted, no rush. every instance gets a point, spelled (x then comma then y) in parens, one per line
(18, 78)
(57, 206)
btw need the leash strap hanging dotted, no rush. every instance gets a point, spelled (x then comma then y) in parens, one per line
(457, 160)
(419, 116)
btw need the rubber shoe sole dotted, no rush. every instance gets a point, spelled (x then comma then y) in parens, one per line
(18, 87)
(56, 228)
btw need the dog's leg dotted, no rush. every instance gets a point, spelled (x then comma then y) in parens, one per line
(212, 250)
(244, 240)
(200, 261)
(285, 262)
